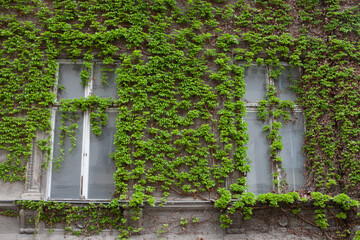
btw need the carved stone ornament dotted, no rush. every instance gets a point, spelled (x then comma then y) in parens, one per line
(27, 221)
(129, 214)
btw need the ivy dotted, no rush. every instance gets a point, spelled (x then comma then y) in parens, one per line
(180, 127)
(79, 219)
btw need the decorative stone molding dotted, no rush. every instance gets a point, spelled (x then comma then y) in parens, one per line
(27, 221)
(129, 214)
(33, 174)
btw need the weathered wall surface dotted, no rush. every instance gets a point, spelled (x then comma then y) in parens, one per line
(181, 131)
(11, 190)
(188, 221)
(206, 229)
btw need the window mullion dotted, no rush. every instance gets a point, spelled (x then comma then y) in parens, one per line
(53, 112)
(86, 146)
(49, 172)
(85, 156)
(275, 165)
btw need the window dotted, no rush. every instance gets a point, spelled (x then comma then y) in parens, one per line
(260, 178)
(86, 171)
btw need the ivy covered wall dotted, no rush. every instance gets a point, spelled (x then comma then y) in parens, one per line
(180, 125)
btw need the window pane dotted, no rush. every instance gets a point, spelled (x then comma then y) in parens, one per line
(65, 182)
(102, 167)
(259, 178)
(292, 155)
(69, 78)
(287, 79)
(106, 87)
(255, 79)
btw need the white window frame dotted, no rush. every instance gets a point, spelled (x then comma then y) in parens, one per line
(253, 107)
(85, 155)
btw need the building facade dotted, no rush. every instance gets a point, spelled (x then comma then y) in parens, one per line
(179, 119)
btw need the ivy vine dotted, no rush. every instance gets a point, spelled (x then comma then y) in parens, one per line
(180, 127)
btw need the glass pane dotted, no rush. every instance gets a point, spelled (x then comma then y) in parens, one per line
(65, 182)
(102, 167)
(287, 79)
(259, 178)
(104, 87)
(69, 78)
(255, 79)
(293, 158)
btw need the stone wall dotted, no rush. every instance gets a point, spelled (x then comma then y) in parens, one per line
(180, 220)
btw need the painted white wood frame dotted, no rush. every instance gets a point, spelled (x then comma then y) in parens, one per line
(251, 109)
(85, 139)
